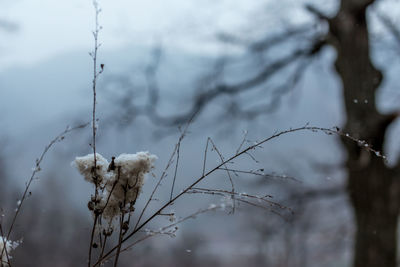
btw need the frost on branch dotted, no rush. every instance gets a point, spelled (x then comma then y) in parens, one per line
(120, 181)
(9, 246)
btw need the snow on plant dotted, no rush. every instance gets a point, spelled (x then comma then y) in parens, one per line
(117, 185)
(120, 182)
(85, 166)
(5, 243)
(7, 246)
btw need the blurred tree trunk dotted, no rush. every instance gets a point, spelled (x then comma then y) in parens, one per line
(372, 185)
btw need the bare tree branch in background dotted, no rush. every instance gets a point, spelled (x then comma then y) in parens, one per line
(8, 26)
(210, 88)
(35, 170)
(373, 186)
(239, 197)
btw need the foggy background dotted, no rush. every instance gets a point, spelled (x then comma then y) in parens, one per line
(45, 85)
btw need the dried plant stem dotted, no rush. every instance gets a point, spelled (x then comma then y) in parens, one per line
(4, 246)
(267, 175)
(164, 173)
(242, 143)
(103, 247)
(122, 231)
(205, 158)
(244, 198)
(94, 83)
(121, 222)
(239, 196)
(236, 155)
(36, 169)
(176, 169)
(92, 237)
(221, 157)
(162, 230)
(96, 74)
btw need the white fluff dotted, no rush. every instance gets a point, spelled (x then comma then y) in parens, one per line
(10, 245)
(121, 181)
(85, 166)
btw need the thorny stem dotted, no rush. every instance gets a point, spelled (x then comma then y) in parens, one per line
(244, 151)
(58, 138)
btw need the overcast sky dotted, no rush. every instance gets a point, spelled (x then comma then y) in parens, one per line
(48, 27)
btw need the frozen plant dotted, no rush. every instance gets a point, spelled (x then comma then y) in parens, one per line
(6, 246)
(85, 166)
(117, 186)
(119, 183)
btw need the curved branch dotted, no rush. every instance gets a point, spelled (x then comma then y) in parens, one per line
(204, 98)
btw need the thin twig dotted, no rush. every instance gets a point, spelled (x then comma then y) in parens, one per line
(164, 174)
(163, 229)
(205, 157)
(103, 246)
(242, 143)
(176, 168)
(113, 187)
(36, 169)
(227, 171)
(242, 197)
(222, 192)
(96, 216)
(254, 146)
(121, 222)
(94, 121)
(4, 240)
(122, 231)
(269, 175)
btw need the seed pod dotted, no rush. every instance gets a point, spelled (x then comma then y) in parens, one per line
(125, 226)
(91, 205)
